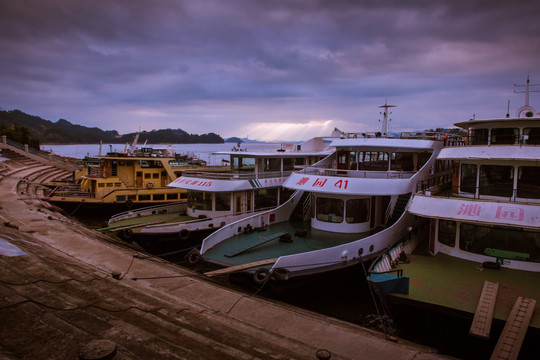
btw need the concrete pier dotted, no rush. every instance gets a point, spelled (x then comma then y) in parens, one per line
(69, 292)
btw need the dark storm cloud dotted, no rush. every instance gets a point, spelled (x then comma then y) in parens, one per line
(166, 54)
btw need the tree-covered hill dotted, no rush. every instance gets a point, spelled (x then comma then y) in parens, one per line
(64, 132)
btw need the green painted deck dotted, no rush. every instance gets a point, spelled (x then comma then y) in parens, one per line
(139, 222)
(455, 283)
(241, 244)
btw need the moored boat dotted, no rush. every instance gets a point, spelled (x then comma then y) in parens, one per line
(480, 252)
(253, 184)
(346, 209)
(125, 180)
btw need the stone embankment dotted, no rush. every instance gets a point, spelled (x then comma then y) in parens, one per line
(69, 292)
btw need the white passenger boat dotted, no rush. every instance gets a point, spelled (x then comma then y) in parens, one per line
(253, 184)
(484, 225)
(350, 207)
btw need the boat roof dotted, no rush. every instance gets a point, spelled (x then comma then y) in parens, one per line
(347, 186)
(277, 154)
(504, 122)
(384, 143)
(495, 152)
(225, 185)
(477, 211)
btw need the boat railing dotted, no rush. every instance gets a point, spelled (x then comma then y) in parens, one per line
(435, 184)
(69, 191)
(235, 176)
(366, 174)
(150, 210)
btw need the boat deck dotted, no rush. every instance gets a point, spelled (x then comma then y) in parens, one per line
(139, 222)
(458, 284)
(248, 247)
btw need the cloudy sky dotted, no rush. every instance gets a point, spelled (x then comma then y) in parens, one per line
(287, 69)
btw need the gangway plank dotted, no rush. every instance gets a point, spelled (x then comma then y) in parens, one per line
(514, 331)
(241, 267)
(483, 317)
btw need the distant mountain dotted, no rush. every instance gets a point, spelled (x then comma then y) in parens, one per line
(242, 140)
(64, 132)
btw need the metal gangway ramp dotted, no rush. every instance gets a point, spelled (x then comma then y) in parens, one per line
(483, 317)
(515, 329)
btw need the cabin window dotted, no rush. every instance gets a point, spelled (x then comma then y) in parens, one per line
(496, 180)
(288, 164)
(241, 164)
(478, 136)
(172, 196)
(117, 184)
(223, 201)
(159, 197)
(110, 184)
(299, 162)
(531, 136)
(423, 158)
(468, 178)
(120, 198)
(266, 198)
(144, 197)
(199, 200)
(402, 161)
(183, 195)
(132, 197)
(447, 232)
(504, 136)
(372, 161)
(329, 210)
(155, 176)
(285, 194)
(357, 211)
(528, 182)
(147, 176)
(101, 185)
(500, 242)
(272, 164)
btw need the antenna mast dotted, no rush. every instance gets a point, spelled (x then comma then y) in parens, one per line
(529, 110)
(384, 128)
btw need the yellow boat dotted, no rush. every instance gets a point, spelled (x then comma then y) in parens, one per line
(126, 180)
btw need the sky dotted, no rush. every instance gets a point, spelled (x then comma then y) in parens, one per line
(268, 70)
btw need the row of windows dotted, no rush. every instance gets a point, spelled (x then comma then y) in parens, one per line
(498, 180)
(504, 136)
(381, 161)
(263, 199)
(503, 242)
(150, 197)
(248, 164)
(334, 210)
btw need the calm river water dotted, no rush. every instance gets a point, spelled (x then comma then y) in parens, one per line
(202, 151)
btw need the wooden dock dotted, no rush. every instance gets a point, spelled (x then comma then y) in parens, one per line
(483, 317)
(514, 331)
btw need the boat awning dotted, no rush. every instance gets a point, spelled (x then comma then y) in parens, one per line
(348, 185)
(385, 144)
(217, 185)
(510, 152)
(477, 211)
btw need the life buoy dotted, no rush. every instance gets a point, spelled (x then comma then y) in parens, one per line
(261, 275)
(183, 234)
(126, 234)
(194, 257)
(149, 185)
